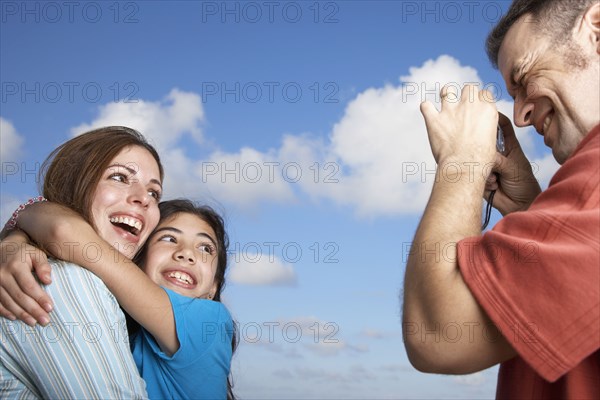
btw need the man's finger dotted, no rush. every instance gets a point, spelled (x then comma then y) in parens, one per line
(449, 95)
(428, 111)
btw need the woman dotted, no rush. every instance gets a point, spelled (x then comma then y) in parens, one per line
(113, 178)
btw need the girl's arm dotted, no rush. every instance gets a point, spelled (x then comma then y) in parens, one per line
(69, 237)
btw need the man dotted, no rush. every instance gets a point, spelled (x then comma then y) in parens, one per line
(525, 294)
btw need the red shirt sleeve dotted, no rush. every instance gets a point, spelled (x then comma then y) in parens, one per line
(537, 273)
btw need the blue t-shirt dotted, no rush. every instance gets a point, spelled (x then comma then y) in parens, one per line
(199, 369)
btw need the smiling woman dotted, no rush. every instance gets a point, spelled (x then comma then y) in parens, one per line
(122, 184)
(108, 174)
(129, 174)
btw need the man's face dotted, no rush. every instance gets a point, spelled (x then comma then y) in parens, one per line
(555, 89)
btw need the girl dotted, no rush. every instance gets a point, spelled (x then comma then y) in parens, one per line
(187, 255)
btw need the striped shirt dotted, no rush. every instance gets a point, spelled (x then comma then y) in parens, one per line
(83, 353)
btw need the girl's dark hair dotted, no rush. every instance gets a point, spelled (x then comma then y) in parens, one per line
(171, 208)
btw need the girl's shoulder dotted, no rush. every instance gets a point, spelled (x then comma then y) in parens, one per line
(204, 309)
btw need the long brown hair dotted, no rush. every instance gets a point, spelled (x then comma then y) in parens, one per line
(72, 171)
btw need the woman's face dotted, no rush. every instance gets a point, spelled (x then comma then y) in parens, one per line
(125, 205)
(182, 255)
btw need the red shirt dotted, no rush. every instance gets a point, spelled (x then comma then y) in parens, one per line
(537, 276)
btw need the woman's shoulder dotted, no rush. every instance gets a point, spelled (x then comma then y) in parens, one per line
(62, 269)
(69, 276)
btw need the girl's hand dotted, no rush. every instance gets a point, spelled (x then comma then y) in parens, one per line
(21, 295)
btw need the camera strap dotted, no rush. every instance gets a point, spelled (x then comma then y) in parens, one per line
(488, 210)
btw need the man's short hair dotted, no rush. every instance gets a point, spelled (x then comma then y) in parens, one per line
(555, 18)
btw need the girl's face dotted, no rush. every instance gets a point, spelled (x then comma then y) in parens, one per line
(125, 205)
(182, 256)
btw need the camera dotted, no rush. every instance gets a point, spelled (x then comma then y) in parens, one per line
(500, 140)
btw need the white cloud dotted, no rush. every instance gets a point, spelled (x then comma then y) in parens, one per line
(544, 168)
(243, 179)
(476, 379)
(373, 334)
(257, 269)
(246, 178)
(330, 349)
(376, 160)
(11, 150)
(8, 206)
(313, 329)
(262, 342)
(396, 368)
(11, 142)
(283, 374)
(381, 142)
(163, 123)
(350, 375)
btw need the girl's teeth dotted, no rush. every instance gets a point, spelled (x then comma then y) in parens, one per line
(181, 277)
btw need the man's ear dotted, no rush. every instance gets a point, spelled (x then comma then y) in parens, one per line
(590, 25)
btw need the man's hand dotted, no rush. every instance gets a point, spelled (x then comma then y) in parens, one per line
(21, 296)
(464, 130)
(517, 187)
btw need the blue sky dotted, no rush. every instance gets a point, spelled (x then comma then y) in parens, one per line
(299, 120)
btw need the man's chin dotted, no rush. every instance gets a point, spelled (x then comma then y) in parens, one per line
(560, 155)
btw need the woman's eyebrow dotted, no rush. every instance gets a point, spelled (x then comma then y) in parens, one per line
(133, 171)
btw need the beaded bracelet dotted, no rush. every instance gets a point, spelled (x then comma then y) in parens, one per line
(12, 222)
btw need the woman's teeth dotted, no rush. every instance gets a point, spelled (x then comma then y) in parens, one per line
(137, 225)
